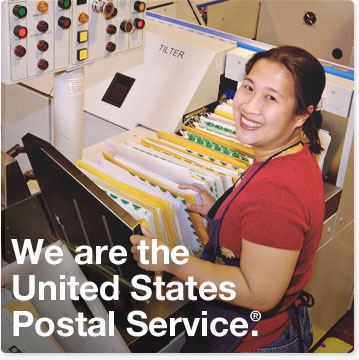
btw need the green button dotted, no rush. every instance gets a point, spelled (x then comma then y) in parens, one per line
(67, 4)
(22, 12)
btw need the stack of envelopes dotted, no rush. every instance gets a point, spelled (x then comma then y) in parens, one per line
(143, 178)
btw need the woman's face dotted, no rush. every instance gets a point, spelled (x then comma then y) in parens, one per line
(263, 107)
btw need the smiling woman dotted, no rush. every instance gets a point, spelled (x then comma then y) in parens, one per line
(264, 232)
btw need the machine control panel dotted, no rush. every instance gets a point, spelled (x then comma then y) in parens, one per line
(54, 35)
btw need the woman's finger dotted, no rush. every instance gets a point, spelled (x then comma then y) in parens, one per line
(147, 232)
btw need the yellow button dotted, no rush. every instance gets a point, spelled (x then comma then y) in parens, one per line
(83, 18)
(82, 36)
(42, 6)
(82, 54)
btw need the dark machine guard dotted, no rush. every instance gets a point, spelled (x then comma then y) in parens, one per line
(80, 212)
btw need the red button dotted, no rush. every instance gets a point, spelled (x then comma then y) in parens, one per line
(42, 45)
(42, 64)
(20, 31)
(139, 24)
(42, 26)
(111, 29)
(108, 9)
(19, 51)
(64, 22)
(110, 47)
(126, 26)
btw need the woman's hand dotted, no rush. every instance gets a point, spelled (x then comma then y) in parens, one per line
(207, 200)
(148, 238)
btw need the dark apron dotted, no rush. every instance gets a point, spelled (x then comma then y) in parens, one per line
(216, 308)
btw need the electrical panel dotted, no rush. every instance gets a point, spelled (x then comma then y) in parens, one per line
(40, 37)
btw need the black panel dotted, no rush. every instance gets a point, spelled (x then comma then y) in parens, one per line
(80, 212)
(118, 90)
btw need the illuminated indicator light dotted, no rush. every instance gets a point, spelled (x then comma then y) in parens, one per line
(42, 64)
(19, 11)
(140, 6)
(83, 18)
(20, 31)
(139, 24)
(64, 4)
(82, 54)
(19, 51)
(82, 36)
(42, 6)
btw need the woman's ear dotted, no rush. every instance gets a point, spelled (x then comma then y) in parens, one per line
(303, 117)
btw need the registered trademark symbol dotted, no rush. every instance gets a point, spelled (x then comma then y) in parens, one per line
(255, 315)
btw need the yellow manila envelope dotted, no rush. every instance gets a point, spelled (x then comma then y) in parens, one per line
(189, 195)
(154, 201)
(135, 201)
(202, 149)
(226, 172)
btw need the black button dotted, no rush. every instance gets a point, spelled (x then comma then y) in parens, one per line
(337, 53)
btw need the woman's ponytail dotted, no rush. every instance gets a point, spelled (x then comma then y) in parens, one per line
(311, 129)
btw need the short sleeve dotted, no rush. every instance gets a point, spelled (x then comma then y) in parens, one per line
(273, 216)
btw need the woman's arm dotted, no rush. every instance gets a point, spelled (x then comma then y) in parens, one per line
(260, 281)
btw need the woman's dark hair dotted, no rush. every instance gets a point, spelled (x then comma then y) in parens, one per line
(309, 82)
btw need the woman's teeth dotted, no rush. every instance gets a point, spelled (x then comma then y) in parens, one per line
(251, 123)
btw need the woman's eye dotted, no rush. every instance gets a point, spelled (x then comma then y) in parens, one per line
(247, 87)
(270, 97)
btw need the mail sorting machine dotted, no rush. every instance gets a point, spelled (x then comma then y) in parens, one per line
(292, 22)
(187, 61)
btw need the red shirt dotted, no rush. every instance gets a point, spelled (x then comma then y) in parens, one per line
(281, 207)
